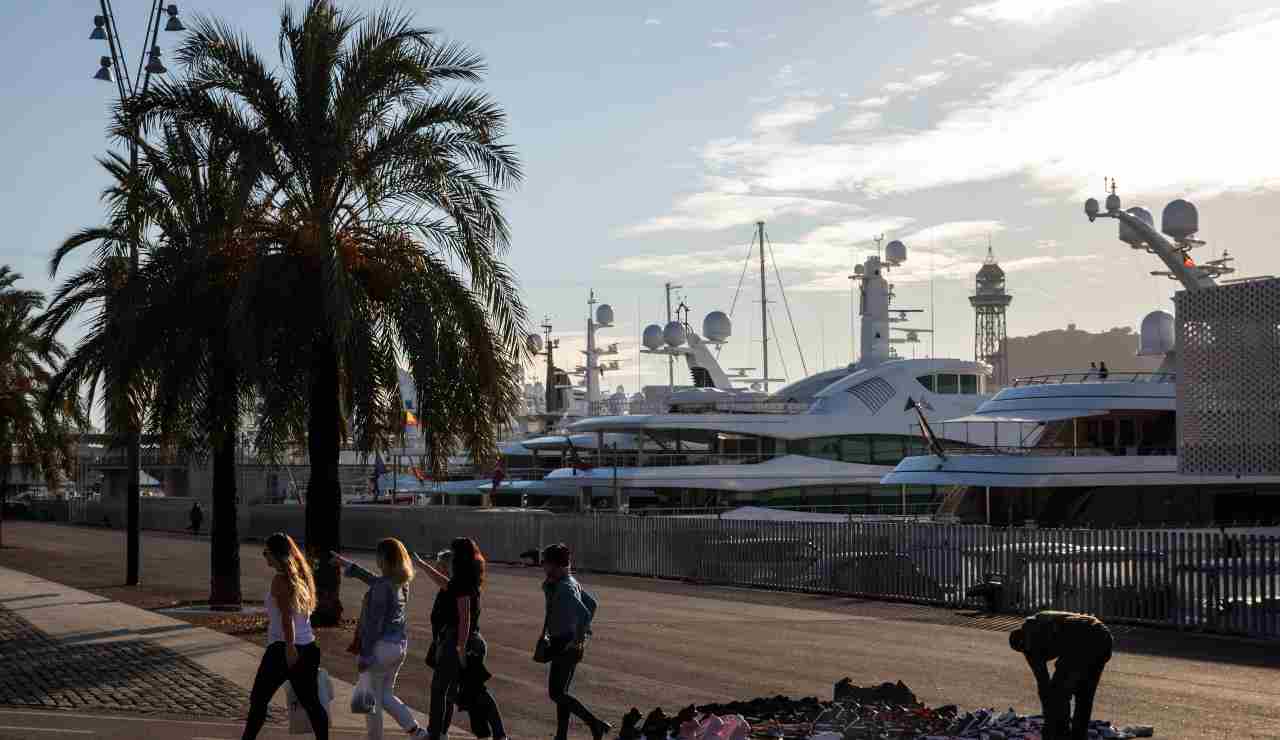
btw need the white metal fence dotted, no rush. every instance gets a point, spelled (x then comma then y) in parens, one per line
(1189, 579)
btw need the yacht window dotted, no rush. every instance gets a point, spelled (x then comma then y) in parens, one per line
(926, 381)
(969, 385)
(886, 450)
(855, 449)
(948, 383)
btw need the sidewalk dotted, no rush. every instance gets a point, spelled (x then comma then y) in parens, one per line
(99, 660)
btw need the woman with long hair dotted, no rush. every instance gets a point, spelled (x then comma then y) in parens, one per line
(292, 654)
(382, 637)
(459, 647)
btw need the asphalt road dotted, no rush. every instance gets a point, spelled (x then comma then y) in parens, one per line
(671, 644)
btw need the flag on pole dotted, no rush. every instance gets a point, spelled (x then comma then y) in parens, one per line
(409, 419)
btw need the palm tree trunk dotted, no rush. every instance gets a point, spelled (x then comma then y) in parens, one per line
(224, 538)
(324, 494)
(4, 494)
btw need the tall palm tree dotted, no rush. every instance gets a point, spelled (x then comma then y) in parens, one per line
(384, 243)
(31, 430)
(196, 197)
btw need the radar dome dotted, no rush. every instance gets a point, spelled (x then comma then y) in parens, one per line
(1130, 235)
(673, 334)
(1091, 208)
(895, 252)
(1113, 203)
(1180, 219)
(1156, 338)
(717, 326)
(534, 343)
(604, 315)
(652, 336)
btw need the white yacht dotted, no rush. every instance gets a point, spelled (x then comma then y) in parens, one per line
(825, 440)
(1097, 448)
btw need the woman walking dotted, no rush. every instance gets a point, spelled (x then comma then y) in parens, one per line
(569, 611)
(292, 654)
(459, 648)
(382, 636)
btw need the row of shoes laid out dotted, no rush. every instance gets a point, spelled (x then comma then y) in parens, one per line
(888, 711)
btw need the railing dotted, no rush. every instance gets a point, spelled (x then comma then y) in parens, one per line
(676, 459)
(1195, 579)
(1034, 451)
(1096, 376)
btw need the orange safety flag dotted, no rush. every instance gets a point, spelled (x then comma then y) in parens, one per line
(410, 419)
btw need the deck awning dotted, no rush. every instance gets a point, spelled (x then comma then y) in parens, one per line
(1030, 416)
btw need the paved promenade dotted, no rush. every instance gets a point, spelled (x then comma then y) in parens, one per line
(669, 644)
(98, 666)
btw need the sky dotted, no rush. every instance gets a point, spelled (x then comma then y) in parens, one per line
(655, 134)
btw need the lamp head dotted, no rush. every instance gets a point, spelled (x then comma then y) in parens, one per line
(99, 29)
(174, 24)
(104, 70)
(154, 65)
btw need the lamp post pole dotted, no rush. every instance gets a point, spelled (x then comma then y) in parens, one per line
(128, 87)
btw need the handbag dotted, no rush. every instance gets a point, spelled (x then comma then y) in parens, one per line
(299, 722)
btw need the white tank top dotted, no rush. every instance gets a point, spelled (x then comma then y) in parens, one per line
(302, 634)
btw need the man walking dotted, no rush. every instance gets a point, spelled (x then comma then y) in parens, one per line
(1081, 645)
(197, 518)
(565, 630)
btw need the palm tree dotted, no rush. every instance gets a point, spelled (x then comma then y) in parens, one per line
(31, 430)
(383, 243)
(196, 198)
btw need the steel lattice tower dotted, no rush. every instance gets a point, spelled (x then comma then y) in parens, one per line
(989, 301)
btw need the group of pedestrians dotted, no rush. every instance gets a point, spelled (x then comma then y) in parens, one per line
(458, 651)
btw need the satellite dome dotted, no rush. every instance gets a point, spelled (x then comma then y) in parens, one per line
(1113, 203)
(1128, 234)
(717, 326)
(652, 336)
(604, 315)
(673, 334)
(534, 343)
(895, 252)
(859, 269)
(1091, 208)
(1180, 219)
(1156, 338)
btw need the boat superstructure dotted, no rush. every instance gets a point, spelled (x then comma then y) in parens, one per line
(1097, 447)
(825, 439)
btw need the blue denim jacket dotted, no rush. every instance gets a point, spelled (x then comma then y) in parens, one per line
(568, 613)
(383, 616)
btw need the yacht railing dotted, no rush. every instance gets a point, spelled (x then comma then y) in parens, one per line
(741, 407)
(1030, 450)
(1095, 376)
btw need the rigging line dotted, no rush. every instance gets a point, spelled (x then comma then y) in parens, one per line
(781, 355)
(745, 264)
(783, 289)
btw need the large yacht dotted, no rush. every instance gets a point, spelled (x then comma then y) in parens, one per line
(827, 439)
(1097, 448)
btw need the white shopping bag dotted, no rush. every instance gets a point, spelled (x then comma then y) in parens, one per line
(299, 722)
(362, 699)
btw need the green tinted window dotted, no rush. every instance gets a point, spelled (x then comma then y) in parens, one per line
(969, 385)
(948, 383)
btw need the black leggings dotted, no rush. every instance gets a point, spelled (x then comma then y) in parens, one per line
(558, 682)
(273, 671)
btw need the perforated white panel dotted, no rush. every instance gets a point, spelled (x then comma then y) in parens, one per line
(1229, 379)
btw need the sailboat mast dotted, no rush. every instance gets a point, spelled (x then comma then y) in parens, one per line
(764, 310)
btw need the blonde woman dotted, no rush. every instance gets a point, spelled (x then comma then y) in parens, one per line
(382, 635)
(292, 654)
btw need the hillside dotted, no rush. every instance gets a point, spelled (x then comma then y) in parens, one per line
(1061, 350)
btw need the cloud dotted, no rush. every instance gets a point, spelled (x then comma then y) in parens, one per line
(956, 233)
(917, 83)
(1023, 12)
(1043, 124)
(879, 102)
(785, 76)
(863, 122)
(957, 59)
(720, 45)
(729, 206)
(652, 22)
(793, 113)
(885, 8)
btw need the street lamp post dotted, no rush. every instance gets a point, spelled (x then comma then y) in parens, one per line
(128, 87)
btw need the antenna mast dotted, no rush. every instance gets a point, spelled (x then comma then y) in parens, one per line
(764, 311)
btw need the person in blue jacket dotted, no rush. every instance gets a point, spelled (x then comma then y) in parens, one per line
(566, 628)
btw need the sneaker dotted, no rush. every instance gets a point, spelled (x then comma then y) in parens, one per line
(601, 729)
(417, 733)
